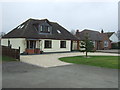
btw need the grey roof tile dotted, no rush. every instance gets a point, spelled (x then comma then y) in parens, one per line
(29, 31)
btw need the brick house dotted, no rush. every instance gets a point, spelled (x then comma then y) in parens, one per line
(100, 40)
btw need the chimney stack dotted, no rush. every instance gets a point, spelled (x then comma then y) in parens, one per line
(77, 32)
(102, 31)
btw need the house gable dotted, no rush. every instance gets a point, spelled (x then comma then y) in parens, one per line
(114, 38)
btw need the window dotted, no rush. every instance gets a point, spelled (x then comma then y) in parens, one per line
(31, 44)
(41, 28)
(62, 44)
(20, 26)
(48, 29)
(105, 43)
(45, 29)
(58, 31)
(93, 43)
(48, 44)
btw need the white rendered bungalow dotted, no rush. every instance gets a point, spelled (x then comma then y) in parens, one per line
(34, 36)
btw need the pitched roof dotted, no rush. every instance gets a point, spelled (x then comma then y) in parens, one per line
(93, 35)
(104, 36)
(109, 34)
(27, 30)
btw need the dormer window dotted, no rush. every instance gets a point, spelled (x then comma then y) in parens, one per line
(47, 28)
(44, 29)
(41, 28)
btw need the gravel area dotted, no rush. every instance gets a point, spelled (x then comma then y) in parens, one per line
(51, 60)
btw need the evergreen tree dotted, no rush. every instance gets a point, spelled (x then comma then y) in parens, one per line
(87, 44)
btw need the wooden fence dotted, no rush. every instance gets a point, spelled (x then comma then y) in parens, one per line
(10, 52)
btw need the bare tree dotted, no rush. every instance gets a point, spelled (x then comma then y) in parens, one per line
(2, 34)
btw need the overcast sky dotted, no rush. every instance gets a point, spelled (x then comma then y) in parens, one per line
(71, 15)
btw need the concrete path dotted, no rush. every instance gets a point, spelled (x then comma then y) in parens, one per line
(51, 60)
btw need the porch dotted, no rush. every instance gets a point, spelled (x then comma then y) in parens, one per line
(33, 46)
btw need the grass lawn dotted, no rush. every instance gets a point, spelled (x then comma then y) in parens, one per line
(100, 61)
(5, 58)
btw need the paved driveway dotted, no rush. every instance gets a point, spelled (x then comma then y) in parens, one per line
(51, 60)
(22, 75)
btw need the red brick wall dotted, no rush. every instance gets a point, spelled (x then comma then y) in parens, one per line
(30, 51)
(105, 38)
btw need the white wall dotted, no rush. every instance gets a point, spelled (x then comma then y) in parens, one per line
(15, 42)
(74, 45)
(21, 42)
(114, 38)
(56, 46)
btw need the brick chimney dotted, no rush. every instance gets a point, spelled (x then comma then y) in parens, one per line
(102, 31)
(77, 32)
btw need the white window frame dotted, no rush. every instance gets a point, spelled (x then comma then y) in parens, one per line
(41, 28)
(64, 44)
(94, 43)
(49, 46)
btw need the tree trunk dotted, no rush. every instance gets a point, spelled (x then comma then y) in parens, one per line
(86, 50)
